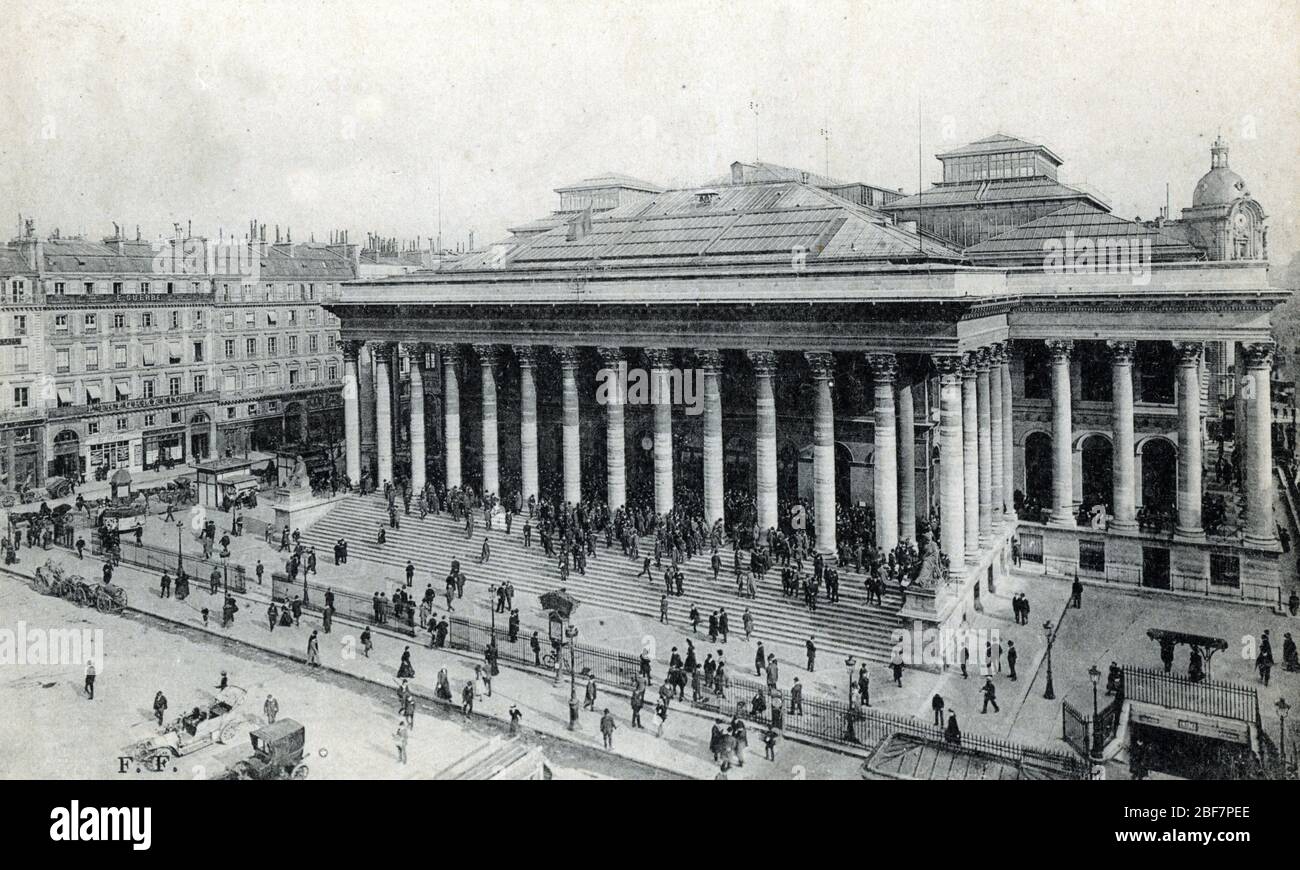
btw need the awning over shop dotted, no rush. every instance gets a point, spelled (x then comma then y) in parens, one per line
(93, 393)
(65, 395)
(122, 389)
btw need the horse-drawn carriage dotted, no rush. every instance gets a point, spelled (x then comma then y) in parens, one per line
(215, 721)
(277, 753)
(50, 579)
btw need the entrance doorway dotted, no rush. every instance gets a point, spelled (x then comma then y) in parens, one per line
(1038, 474)
(67, 455)
(200, 437)
(1098, 474)
(1155, 567)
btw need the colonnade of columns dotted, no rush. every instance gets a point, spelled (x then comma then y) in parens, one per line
(1260, 527)
(975, 477)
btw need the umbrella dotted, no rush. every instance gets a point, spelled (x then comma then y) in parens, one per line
(561, 602)
(121, 477)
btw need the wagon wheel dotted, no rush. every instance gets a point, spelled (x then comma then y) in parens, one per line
(103, 602)
(76, 594)
(299, 772)
(119, 601)
(229, 732)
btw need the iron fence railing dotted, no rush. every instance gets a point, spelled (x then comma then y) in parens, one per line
(1209, 697)
(199, 570)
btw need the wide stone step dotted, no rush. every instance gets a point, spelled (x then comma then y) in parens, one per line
(851, 626)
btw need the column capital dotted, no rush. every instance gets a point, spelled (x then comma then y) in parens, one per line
(884, 367)
(351, 349)
(1059, 348)
(1122, 350)
(970, 363)
(487, 354)
(610, 356)
(414, 350)
(763, 361)
(997, 353)
(821, 362)
(449, 352)
(948, 364)
(526, 354)
(658, 357)
(983, 359)
(709, 359)
(1259, 354)
(567, 355)
(1189, 352)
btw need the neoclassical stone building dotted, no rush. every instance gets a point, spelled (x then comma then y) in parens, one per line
(1062, 380)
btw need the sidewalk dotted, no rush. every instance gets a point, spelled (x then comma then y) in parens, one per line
(683, 749)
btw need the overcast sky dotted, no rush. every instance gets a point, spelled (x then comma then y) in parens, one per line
(322, 115)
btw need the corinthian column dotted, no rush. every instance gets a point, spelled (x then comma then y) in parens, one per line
(1124, 482)
(615, 444)
(450, 353)
(995, 436)
(714, 493)
(1008, 438)
(1062, 435)
(764, 363)
(823, 368)
(1189, 440)
(970, 452)
(572, 443)
(952, 497)
(527, 356)
(487, 357)
(906, 465)
(352, 410)
(884, 370)
(384, 412)
(415, 353)
(984, 445)
(1261, 531)
(661, 362)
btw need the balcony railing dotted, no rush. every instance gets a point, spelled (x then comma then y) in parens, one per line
(128, 405)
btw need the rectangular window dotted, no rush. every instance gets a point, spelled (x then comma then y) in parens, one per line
(271, 318)
(228, 320)
(1031, 547)
(293, 344)
(176, 320)
(333, 372)
(20, 324)
(171, 287)
(60, 323)
(198, 318)
(92, 359)
(199, 382)
(147, 388)
(1092, 556)
(92, 428)
(271, 346)
(250, 347)
(62, 361)
(198, 351)
(119, 320)
(89, 287)
(230, 413)
(229, 382)
(60, 288)
(311, 316)
(117, 288)
(173, 353)
(91, 322)
(1225, 570)
(149, 354)
(293, 316)
(149, 419)
(146, 320)
(144, 286)
(293, 377)
(20, 397)
(121, 391)
(20, 359)
(173, 386)
(229, 346)
(250, 319)
(119, 357)
(312, 344)
(123, 423)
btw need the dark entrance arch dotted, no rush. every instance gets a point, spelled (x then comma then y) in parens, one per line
(293, 423)
(1098, 475)
(1159, 476)
(200, 436)
(67, 455)
(1038, 470)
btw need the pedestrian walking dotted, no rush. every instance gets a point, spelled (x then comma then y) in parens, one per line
(936, 705)
(313, 650)
(271, 708)
(400, 738)
(89, 688)
(607, 726)
(990, 696)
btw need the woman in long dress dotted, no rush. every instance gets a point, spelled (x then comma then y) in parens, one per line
(479, 687)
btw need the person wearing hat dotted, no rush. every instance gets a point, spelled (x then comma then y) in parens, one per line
(990, 696)
(271, 708)
(607, 726)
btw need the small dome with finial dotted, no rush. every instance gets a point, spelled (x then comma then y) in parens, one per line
(1219, 186)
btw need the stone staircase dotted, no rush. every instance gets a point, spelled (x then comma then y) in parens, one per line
(850, 627)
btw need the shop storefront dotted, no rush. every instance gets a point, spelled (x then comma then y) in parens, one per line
(164, 448)
(20, 457)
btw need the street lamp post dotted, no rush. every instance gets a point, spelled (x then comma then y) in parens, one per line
(492, 596)
(180, 559)
(571, 632)
(1050, 693)
(1094, 674)
(850, 663)
(225, 571)
(1282, 709)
